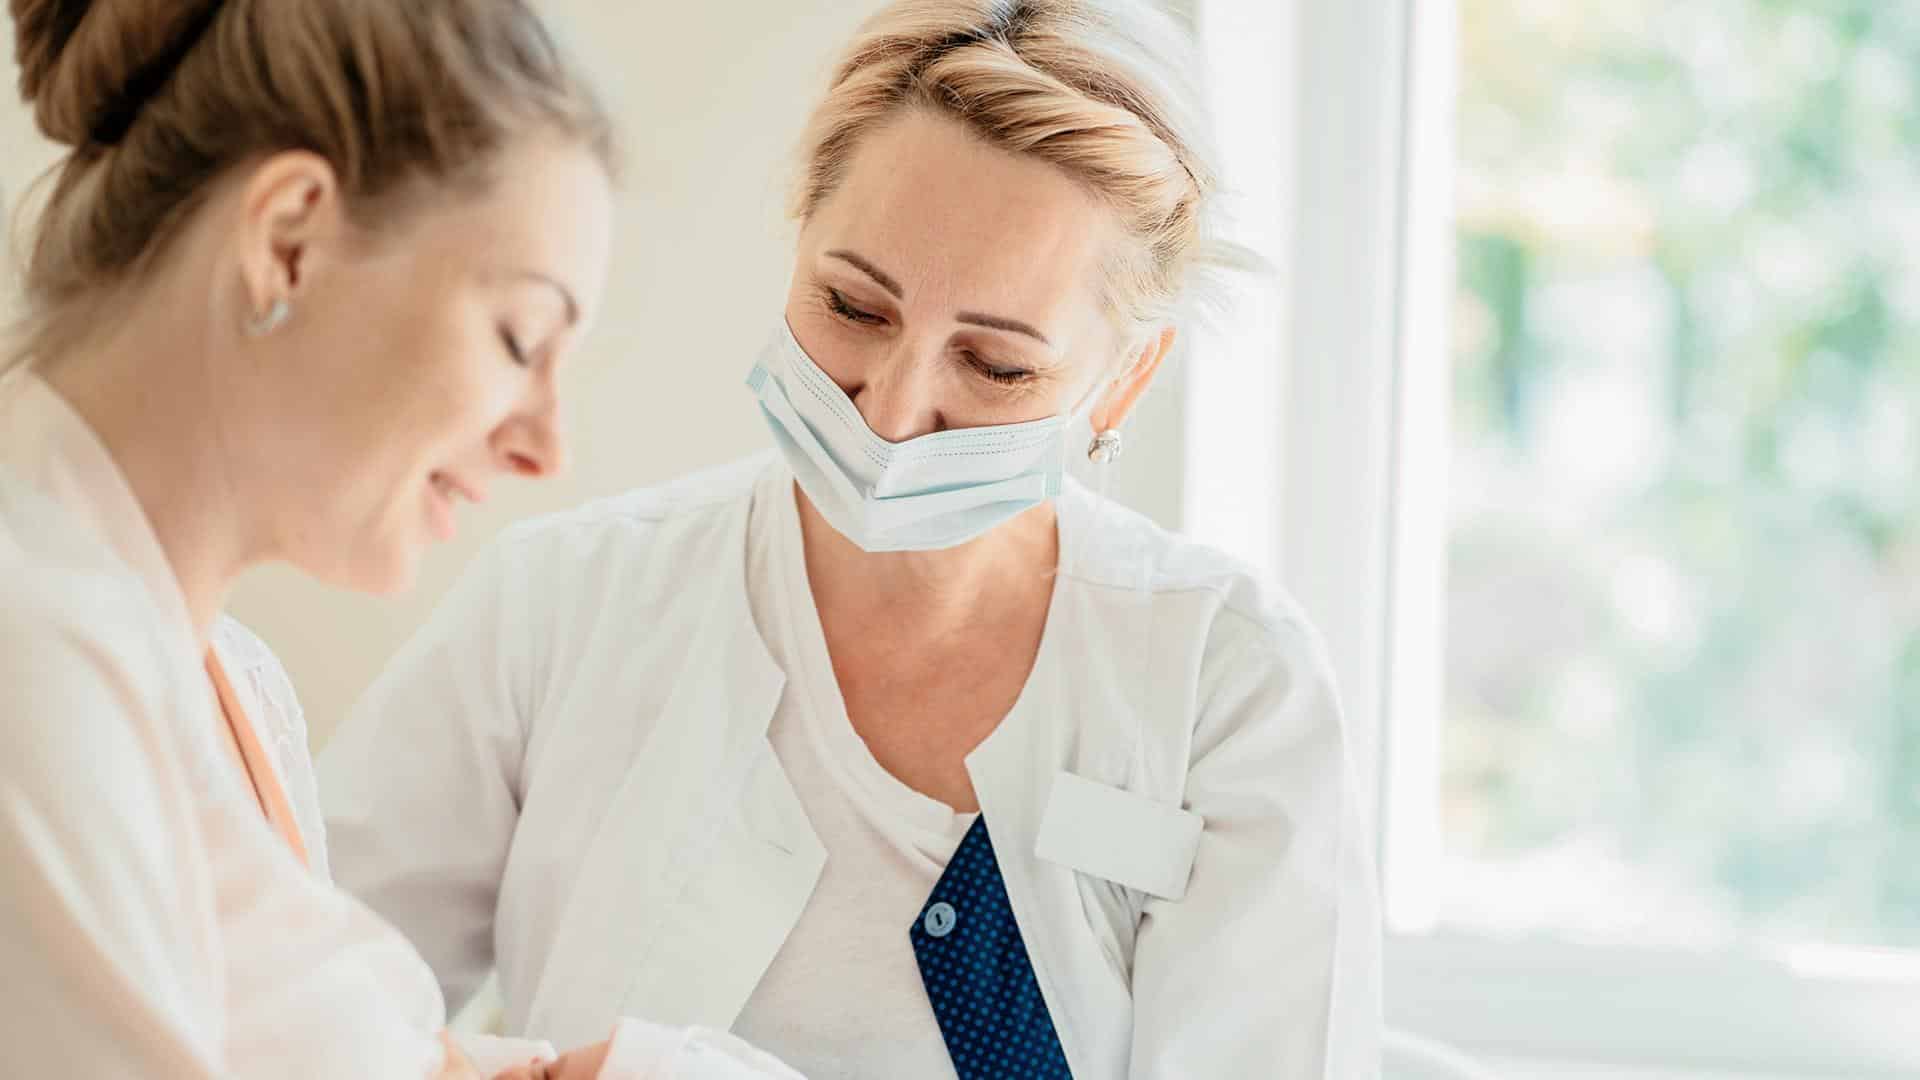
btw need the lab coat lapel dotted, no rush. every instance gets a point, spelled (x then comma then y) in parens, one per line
(705, 858)
(1080, 713)
(758, 863)
(1011, 772)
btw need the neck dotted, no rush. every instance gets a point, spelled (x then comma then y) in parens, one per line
(146, 391)
(932, 593)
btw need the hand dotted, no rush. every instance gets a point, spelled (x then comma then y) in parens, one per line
(456, 1067)
(581, 1064)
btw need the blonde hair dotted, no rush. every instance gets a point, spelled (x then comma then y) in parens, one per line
(158, 98)
(1098, 88)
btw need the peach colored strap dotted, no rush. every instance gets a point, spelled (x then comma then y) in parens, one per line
(266, 782)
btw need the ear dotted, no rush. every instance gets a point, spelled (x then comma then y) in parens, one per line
(290, 212)
(1114, 408)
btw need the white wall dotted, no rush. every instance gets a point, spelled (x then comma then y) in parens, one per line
(710, 99)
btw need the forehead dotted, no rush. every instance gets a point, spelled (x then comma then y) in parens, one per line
(946, 213)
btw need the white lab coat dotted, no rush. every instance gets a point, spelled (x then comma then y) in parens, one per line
(640, 1050)
(566, 773)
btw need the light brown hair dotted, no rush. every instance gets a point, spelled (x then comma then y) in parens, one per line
(157, 99)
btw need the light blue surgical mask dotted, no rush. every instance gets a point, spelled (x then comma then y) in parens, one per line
(935, 491)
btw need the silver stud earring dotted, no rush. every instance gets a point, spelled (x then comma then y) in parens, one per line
(272, 319)
(1106, 447)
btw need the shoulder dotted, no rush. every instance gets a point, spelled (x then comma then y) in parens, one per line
(90, 686)
(59, 621)
(1236, 652)
(94, 693)
(638, 523)
(1114, 549)
(94, 674)
(543, 580)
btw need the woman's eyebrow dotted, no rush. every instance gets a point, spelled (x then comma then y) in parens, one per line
(888, 282)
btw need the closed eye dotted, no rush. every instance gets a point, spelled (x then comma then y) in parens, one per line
(513, 347)
(1006, 376)
(837, 303)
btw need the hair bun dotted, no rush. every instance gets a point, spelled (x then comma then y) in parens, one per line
(87, 66)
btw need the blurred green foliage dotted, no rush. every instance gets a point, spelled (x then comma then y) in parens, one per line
(1685, 559)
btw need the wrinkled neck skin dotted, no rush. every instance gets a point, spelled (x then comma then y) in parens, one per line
(146, 384)
(931, 595)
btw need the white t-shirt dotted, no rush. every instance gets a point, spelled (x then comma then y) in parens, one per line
(843, 999)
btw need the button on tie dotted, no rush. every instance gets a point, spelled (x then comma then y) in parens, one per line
(940, 919)
(978, 977)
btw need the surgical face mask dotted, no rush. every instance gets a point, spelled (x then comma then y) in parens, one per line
(935, 491)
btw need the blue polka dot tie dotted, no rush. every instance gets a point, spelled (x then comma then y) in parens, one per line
(977, 974)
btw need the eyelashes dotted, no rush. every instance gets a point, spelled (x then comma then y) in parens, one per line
(1005, 376)
(513, 348)
(837, 304)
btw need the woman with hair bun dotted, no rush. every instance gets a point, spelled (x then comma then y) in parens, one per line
(303, 283)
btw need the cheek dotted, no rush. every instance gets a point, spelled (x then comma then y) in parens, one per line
(844, 352)
(368, 357)
(468, 385)
(443, 385)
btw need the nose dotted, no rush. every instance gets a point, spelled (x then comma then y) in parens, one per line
(899, 399)
(533, 442)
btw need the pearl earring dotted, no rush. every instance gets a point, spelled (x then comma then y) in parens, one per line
(272, 319)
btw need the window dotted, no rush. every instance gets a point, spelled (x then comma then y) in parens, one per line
(1683, 512)
(1599, 465)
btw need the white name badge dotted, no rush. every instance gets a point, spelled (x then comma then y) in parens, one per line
(1117, 835)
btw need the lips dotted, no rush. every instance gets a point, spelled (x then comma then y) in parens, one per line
(444, 489)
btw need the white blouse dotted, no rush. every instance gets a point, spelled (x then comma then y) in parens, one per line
(151, 924)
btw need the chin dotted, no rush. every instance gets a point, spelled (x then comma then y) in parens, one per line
(387, 573)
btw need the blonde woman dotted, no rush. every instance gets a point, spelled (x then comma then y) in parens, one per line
(894, 751)
(303, 283)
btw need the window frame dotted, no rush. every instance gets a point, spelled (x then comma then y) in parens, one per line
(1350, 151)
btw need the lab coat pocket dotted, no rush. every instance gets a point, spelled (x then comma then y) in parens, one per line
(1114, 834)
(1122, 848)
